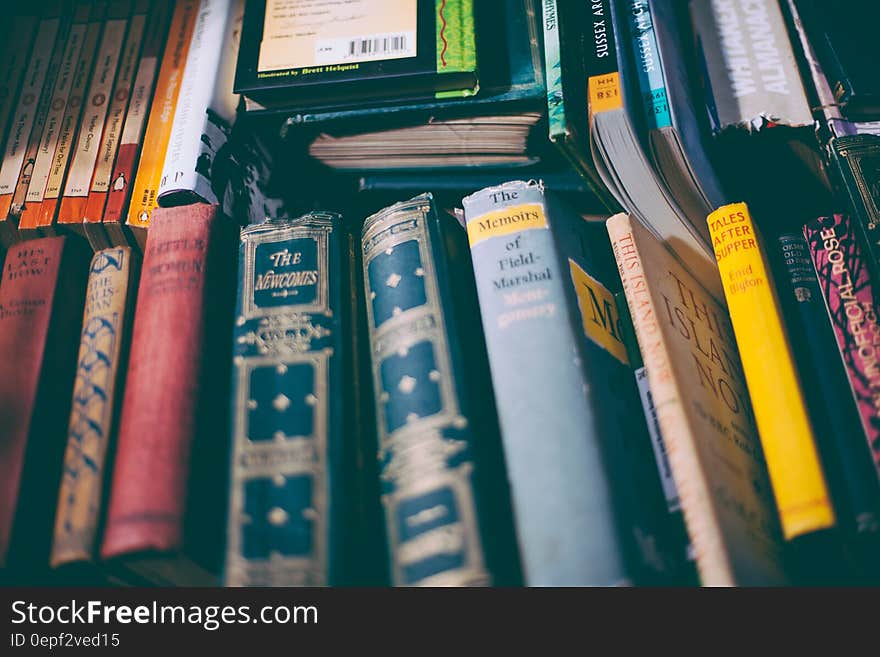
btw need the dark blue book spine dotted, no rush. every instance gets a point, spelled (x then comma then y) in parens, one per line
(436, 520)
(289, 402)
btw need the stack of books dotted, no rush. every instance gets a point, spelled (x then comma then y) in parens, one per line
(439, 293)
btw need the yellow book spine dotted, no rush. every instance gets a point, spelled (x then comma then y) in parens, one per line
(158, 134)
(777, 399)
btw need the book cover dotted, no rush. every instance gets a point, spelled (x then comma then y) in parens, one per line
(852, 305)
(98, 99)
(290, 493)
(27, 122)
(850, 469)
(441, 492)
(109, 227)
(206, 108)
(154, 145)
(41, 296)
(699, 391)
(787, 436)
(101, 364)
(165, 512)
(511, 79)
(365, 50)
(62, 121)
(551, 367)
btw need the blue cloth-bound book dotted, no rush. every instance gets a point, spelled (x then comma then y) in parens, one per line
(442, 484)
(291, 402)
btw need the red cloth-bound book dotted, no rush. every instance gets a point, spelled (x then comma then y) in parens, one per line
(42, 293)
(174, 374)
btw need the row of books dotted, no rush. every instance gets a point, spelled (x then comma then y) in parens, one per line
(489, 389)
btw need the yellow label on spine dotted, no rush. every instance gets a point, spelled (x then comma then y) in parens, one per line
(604, 93)
(511, 219)
(598, 313)
(777, 399)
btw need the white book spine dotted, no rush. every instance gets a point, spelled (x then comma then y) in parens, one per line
(202, 117)
(98, 98)
(23, 121)
(49, 138)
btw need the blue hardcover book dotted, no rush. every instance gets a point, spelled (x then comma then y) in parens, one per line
(442, 484)
(291, 404)
(563, 387)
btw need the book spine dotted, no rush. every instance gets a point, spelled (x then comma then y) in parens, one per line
(70, 125)
(98, 97)
(148, 491)
(13, 62)
(34, 102)
(37, 301)
(777, 399)
(206, 108)
(694, 493)
(652, 84)
(129, 150)
(288, 405)
(62, 97)
(523, 302)
(455, 42)
(431, 503)
(603, 75)
(154, 147)
(93, 212)
(844, 436)
(852, 305)
(96, 399)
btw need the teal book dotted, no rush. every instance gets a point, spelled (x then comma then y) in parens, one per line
(443, 489)
(563, 385)
(566, 92)
(292, 405)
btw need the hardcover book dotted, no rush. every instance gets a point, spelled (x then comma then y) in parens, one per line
(41, 298)
(97, 103)
(787, 437)
(27, 122)
(302, 56)
(705, 415)
(444, 498)
(62, 122)
(108, 226)
(558, 365)
(101, 365)
(142, 199)
(293, 405)
(165, 512)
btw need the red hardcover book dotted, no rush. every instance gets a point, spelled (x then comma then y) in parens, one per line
(41, 301)
(189, 254)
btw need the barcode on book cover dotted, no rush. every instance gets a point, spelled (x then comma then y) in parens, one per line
(365, 48)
